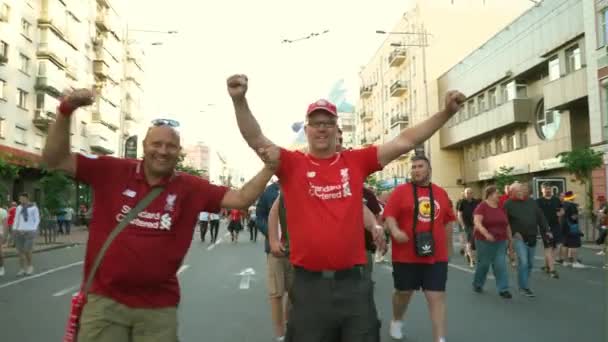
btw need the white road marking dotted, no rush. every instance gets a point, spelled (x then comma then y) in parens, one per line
(53, 270)
(218, 242)
(586, 266)
(182, 268)
(246, 275)
(66, 291)
(458, 267)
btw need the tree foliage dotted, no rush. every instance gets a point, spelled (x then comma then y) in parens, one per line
(55, 188)
(580, 163)
(504, 176)
(183, 167)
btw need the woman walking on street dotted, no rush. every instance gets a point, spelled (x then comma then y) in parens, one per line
(492, 232)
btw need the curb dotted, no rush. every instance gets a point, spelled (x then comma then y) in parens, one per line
(41, 250)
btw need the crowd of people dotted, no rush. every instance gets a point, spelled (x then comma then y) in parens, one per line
(323, 229)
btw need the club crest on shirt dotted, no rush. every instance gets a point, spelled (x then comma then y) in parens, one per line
(424, 209)
(311, 174)
(170, 205)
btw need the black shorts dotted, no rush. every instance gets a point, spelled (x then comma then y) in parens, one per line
(557, 239)
(413, 277)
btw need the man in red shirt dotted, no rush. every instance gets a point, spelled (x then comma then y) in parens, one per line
(235, 225)
(419, 217)
(135, 292)
(323, 192)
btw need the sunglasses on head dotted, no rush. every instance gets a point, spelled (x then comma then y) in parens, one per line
(165, 122)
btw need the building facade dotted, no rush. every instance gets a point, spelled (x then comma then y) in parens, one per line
(198, 157)
(50, 45)
(527, 100)
(346, 121)
(397, 85)
(595, 15)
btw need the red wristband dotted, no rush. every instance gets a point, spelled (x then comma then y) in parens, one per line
(65, 108)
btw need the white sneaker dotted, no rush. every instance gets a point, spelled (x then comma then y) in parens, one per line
(30, 270)
(600, 253)
(577, 265)
(281, 339)
(20, 273)
(396, 330)
(567, 264)
(2, 271)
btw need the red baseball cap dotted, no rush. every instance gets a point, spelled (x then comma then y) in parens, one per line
(323, 105)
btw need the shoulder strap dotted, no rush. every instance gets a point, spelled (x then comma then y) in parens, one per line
(143, 203)
(416, 208)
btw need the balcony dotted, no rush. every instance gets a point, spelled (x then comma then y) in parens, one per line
(101, 69)
(110, 93)
(366, 92)
(44, 115)
(397, 57)
(133, 72)
(514, 112)
(565, 90)
(366, 116)
(52, 16)
(102, 139)
(3, 60)
(106, 113)
(52, 47)
(398, 88)
(399, 119)
(51, 78)
(107, 41)
(102, 19)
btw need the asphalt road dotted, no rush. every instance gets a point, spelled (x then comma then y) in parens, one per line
(224, 299)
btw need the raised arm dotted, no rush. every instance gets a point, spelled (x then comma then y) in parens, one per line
(412, 136)
(248, 125)
(56, 153)
(245, 196)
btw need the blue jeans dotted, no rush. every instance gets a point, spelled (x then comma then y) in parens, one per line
(492, 254)
(525, 262)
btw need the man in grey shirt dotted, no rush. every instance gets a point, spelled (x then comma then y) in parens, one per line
(525, 219)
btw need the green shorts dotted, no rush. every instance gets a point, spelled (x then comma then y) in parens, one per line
(104, 320)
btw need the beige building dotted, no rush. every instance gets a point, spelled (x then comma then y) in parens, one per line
(346, 121)
(595, 16)
(527, 100)
(198, 157)
(49, 45)
(397, 88)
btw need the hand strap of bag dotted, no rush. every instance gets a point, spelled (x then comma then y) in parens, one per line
(416, 207)
(150, 196)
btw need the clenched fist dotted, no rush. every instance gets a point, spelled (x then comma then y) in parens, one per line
(270, 155)
(454, 100)
(79, 98)
(237, 86)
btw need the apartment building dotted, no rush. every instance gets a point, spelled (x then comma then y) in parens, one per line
(527, 100)
(397, 85)
(595, 16)
(47, 46)
(346, 121)
(198, 157)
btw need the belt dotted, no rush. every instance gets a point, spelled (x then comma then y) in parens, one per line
(353, 272)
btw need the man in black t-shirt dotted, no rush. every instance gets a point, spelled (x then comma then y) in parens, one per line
(552, 209)
(465, 208)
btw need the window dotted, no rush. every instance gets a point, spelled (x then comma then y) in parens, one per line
(25, 64)
(603, 21)
(492, 98)
(573, 59)
(481, 102)
(547, 122)
(488, 148)
(38, 141)
(3, 49)
(20, 135)
(523, 139)
(22, 98)
(554, 69)
(26, 28)
(2, 128)
(413, 66)
(510, 143)
(5, 12)
(3, 89)
(500, 145)
(472, 109)
(514, 90)
(504, 96)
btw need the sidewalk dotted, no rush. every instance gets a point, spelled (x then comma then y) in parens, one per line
(78, 235)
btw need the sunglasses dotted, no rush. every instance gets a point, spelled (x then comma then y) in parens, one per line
(165, 122)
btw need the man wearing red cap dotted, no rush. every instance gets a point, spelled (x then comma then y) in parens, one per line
(331, 294)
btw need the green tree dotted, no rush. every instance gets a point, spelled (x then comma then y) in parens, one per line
(55, 188)
(504, 176)
(580, 163)
(8, 173)
(181, 166)
(372, 182)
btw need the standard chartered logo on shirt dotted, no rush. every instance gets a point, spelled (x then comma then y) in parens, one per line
(334, 191)
(146, 219)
